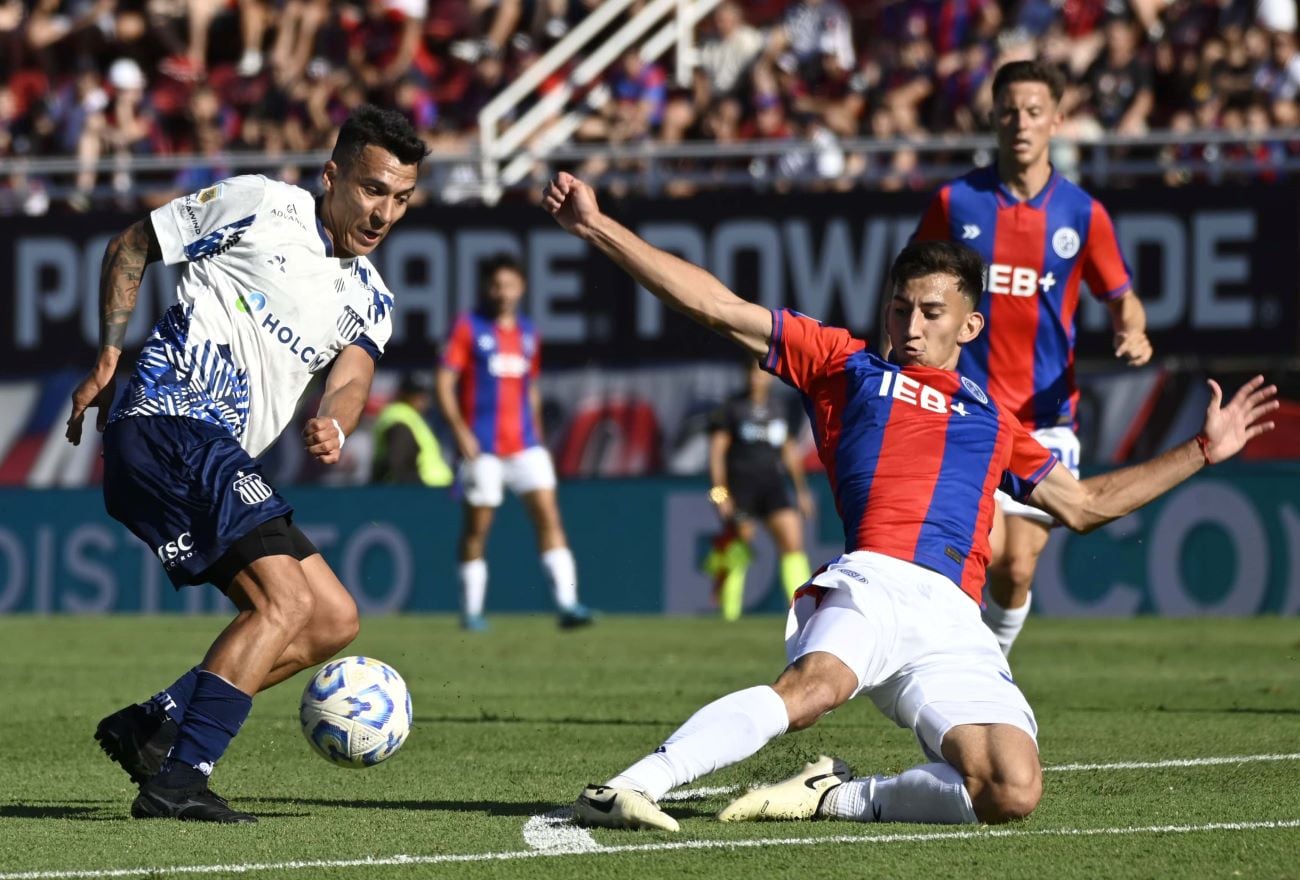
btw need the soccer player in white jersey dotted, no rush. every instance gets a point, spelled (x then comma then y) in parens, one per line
(913, 451)
(276, 288)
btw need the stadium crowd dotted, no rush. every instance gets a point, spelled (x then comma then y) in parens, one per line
(102, 78)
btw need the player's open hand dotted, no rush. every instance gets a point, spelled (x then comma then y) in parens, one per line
(323, 440)
(1133, 348)
(1229, 428)
(95, 390)
(571, 202)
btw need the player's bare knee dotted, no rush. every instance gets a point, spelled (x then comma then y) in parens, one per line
(1010, 792)
(343, 626)
(291, 609)
(1008, 801)
(807, 699)
(1020, 569)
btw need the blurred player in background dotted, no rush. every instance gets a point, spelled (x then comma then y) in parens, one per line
(751, 452)
(1039, 236)
(487, 391)
(913, 451)
(406, 450)
(276, 288)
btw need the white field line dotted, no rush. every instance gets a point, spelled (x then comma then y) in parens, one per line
(1174, 762)
(668, 846)
(686, 794)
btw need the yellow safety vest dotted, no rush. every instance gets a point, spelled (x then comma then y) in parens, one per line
(433, 469)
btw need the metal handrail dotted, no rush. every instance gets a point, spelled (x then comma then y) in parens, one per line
(1099, 159)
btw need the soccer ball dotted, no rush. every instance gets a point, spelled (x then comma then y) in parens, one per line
(356, 711)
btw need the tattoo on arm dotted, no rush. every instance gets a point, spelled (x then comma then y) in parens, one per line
(125, 259)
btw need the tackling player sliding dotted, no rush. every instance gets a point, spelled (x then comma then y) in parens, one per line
(913, 451)
(276, 288)
(1039, 236)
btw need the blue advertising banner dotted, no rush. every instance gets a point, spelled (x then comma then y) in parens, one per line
(1226, 543)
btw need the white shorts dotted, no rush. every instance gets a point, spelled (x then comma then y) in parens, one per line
(485, 478)
(1064, 444)
(916, 643)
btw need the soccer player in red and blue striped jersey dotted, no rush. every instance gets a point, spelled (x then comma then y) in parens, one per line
(487, 391)
(1040, 236)
(913, 451)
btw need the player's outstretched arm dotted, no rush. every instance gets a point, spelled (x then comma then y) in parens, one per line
(125, 259)
(679, 284)
(346, 390)
(1083, 505)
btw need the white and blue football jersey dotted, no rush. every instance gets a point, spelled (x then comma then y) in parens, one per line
(262, 305)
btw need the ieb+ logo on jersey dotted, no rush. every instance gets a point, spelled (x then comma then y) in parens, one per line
(904, 388)
(999, 278)
(507, 366)
(251, 488)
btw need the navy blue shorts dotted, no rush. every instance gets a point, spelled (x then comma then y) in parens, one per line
(186, 488)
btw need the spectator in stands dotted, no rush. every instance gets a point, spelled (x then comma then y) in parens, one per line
(1279, 78)
(727, 55)
(811, 27)
(295, 37)
(1119, 82)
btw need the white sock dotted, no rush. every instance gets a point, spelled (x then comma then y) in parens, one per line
(560, 568)
(932, 793)
(727, 730)
(473, 586)
(1006, 623)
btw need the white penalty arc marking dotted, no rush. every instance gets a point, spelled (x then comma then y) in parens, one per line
(554, 832)
(668, 846)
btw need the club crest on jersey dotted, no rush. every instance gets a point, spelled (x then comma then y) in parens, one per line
(251, 488)
(974, 390)
(1065, 242)
(350, 324)
(486, 342)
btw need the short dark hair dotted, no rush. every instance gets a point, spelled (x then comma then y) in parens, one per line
(923, 258)
(1030, 71)
(495, 263)
(387, 129)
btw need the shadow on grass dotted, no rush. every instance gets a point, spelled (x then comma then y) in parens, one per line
(491, 808)
(95, 811)
(494, 718)
(86, 811)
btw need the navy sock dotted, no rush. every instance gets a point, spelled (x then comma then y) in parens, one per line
(215, 714)
(176, 699)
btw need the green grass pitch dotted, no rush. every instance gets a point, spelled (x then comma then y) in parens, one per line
(509, 725)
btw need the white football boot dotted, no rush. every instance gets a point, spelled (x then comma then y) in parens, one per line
(608, 807)
(795, 798)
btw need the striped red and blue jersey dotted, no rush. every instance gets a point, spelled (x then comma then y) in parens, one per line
(1035, 254)
(913, 454)
(497, 366)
